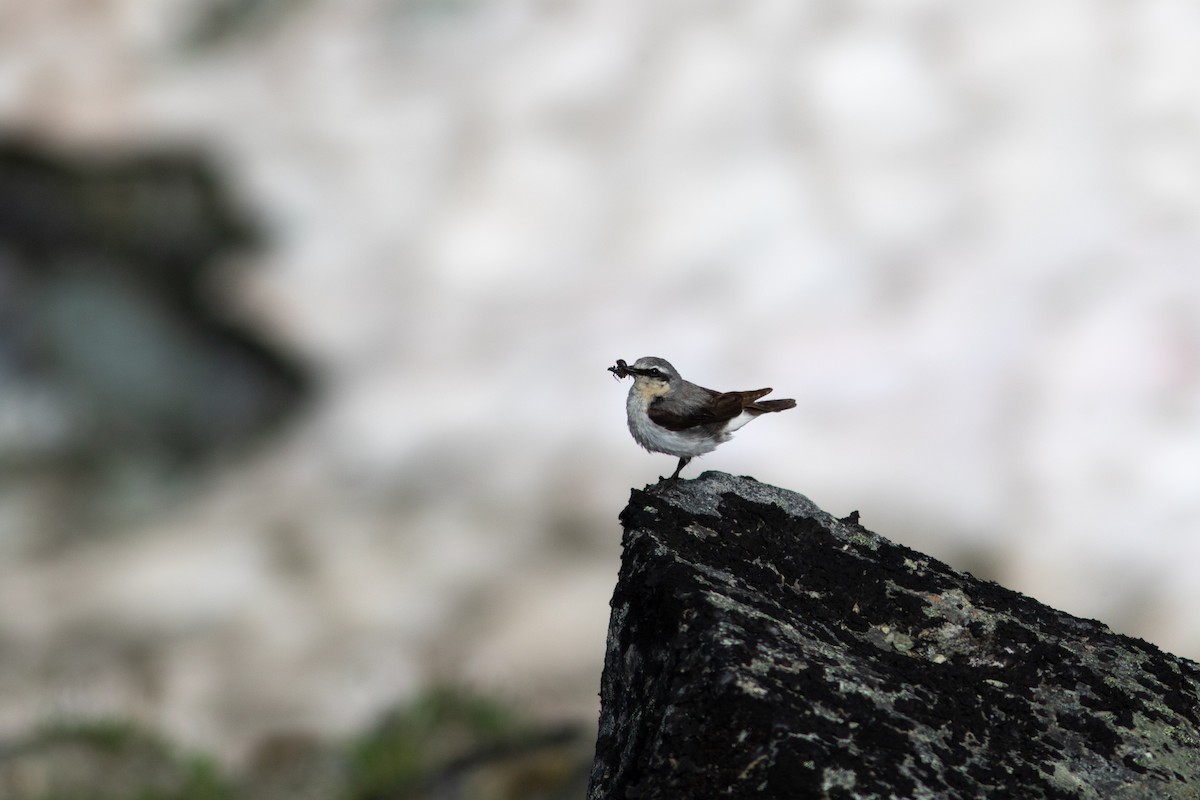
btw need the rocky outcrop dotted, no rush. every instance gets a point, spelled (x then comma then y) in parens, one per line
(759, 647)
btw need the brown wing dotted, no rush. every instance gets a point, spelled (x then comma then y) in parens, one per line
(721, 408)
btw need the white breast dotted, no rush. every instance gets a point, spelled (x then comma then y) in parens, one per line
(657, 439)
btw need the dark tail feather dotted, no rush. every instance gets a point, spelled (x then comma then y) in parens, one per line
(765, 406)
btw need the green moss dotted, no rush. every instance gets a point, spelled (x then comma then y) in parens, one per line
(103, 735)
(444, 740)
(419, 738)
(106, 759)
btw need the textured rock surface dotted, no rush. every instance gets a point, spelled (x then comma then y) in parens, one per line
(760, 647)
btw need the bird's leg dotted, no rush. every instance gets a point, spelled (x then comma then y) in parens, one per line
(683, 462)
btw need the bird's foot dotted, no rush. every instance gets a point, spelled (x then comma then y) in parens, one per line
(683, 462)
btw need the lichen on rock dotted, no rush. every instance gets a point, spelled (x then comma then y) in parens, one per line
(760, 647)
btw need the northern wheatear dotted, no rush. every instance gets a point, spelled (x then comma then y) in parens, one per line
(670, 415)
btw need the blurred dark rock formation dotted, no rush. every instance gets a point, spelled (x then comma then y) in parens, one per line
(759, 647)
(114, 340)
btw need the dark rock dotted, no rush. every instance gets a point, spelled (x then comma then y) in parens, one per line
(759, 647)
(116, 343)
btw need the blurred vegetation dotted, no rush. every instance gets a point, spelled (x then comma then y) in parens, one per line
(445, 744)
(450, 744)
(100, 760)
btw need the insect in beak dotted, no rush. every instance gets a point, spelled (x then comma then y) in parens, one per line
(621, 370)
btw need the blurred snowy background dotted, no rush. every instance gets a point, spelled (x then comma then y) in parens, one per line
(963, 236)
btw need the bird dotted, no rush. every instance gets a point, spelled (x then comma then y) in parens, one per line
(670, 415)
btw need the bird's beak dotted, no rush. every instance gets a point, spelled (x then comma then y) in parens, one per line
(623, 370)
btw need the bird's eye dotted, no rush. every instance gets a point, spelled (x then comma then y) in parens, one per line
(655, 373)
